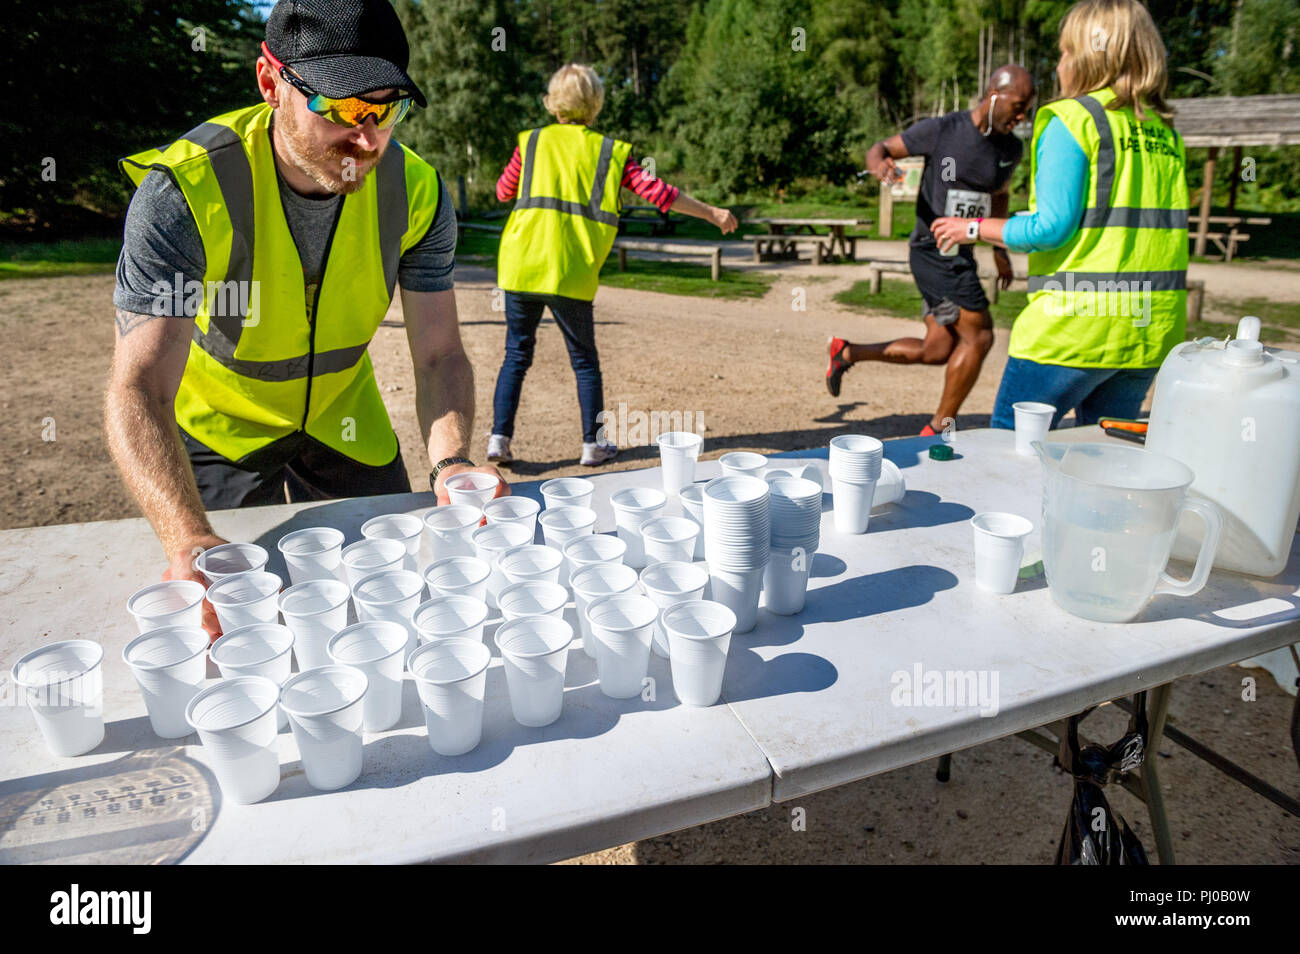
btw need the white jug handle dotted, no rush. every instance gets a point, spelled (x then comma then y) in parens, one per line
(1209, 514)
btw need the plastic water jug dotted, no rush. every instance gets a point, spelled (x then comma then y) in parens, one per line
(1109, 518)
(1231, 412)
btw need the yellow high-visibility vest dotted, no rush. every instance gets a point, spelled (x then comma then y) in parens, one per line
(264, 362)
(565, 217)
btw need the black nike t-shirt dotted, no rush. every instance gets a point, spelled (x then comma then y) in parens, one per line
(962, 170)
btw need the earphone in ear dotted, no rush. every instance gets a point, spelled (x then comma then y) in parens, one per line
(992, 103)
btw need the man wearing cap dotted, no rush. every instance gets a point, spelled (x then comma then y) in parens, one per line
(261, 252)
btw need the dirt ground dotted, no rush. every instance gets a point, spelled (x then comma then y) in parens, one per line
(754, 371)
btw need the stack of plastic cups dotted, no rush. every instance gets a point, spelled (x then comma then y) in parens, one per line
(314, 611)
(262, 649)
(446, 617)
(472, 488)
(404, 527)
(245, 598)
(738, 527)
(170, 603)
(669, 583)
(451, 678)
(63, 684)
(236, 721)
(563, 524)
(489, 543)
(699, 636)
(692, 502)
(855, 462)
(742, 464)
(633, 506)
(376, 647)
(535, 654)
(678, 452)
(669, 539)
(312, 554)
(796, 506)
(392, 595)
(169, 665)
(228, 559)
(532, 598)
(623, 627)
(366, 557)
(512, 509)
(327, 708)
(568, 492)
(591, 582)
(458, 576)
(450, 528)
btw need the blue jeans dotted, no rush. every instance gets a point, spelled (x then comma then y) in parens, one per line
(523, 315)
(1092, 393)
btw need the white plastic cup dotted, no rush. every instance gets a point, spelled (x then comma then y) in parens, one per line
(365, 557)
(472, 488)
(1033, 421)
(592, 582)
(167, 604)
(63, 685)
(245, 598)
(312, 554)
(376, 647)
(451, 678)
(738, 590)
(623, 627)
(856, 458)
(403, 527)
(445, 617)
(562, 524)
(314, 611)
(489, 543)
(568, 492)
(392, 595)
(999, 548)
(742, 464)
(261, 649)
(169, 666)
(535, 653)
(217, 563)
(589, 550)
(326, 708)
(514, 509)
(692, 498)
(678, 452)
(852, 505)
(533, 598)
(458, 576)
(785, 581)
(449, 529)
(530, 562)
(669, 539)
(668, 583)
(699, 636)
(236, 721)
(633, 506)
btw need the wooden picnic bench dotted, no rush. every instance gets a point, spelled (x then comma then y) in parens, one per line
(659, 223)
(785, 236)
(712, 252)
(1226, 240)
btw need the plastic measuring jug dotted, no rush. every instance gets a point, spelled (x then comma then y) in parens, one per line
(1110, 515)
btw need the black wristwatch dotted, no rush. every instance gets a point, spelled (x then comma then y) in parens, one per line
(437, 468)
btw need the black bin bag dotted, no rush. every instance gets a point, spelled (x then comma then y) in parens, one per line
(1094, 833)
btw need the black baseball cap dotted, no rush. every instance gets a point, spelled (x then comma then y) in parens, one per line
(342, 47)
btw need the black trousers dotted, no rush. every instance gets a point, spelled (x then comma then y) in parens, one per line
(309, 469)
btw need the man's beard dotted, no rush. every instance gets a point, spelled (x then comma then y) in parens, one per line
(329, 167)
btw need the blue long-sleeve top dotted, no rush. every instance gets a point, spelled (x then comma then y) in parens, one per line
(1060, 178)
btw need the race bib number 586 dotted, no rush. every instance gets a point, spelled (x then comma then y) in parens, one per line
(965, 204)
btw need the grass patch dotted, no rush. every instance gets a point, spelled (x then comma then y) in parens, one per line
(40, 269)
(685, 278)
(69, 257)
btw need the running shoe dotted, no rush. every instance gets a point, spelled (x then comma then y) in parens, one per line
(499, 450)
(837, 365)
(593, 455)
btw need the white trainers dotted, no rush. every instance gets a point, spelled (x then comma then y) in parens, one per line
(499, 449)
(593, 455)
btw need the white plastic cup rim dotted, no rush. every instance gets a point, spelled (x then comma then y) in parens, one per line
(1006, 526)
(743, 460)
(698, 610)
(449, 647)
(385, 633)
(470, 614)
(638, 500)
(194, 639)
(312, 541)
(594, 548)
(196, 593)
(506, 509)
(335, 591)
(382, 527)
(1036, 408)
(693, 494)
(567, 487)
(632, 606)
(557, 594)
(471, 481)
(549, 628)
(350, 680)
(568, 518)
(670, 529)
(404, 580)
(90, 654)
(857, 445)
(687, 441)
(253, 558)
(266, 584)
(609, 574)
(376, 546)
(530, 558)
(797, 490)
(476, 571)
(653, 577)
(452, 517)
(501, 536)
(236, 684)
(277, 630)
(736, 489)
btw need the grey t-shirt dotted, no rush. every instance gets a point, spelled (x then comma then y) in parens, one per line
(161, 239)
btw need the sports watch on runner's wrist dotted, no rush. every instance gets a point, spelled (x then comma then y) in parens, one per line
(973, 229)
(446, 462)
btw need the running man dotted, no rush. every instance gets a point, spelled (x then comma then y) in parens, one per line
(970, 156)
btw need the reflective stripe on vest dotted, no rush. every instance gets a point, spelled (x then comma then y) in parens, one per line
(265, 362)
(1115, 294)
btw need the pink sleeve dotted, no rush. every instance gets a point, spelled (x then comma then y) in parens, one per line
(508, 184)
(655, 191)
